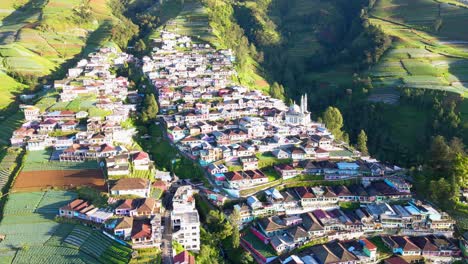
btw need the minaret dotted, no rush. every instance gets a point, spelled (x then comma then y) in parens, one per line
(305, 104)
(302, 104)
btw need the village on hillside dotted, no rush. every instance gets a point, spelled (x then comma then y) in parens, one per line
(296, 185)
(301, 195)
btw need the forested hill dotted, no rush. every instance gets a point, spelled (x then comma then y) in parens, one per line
(342, 55)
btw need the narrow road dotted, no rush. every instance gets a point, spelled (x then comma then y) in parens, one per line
(166, 241)
(166, 246)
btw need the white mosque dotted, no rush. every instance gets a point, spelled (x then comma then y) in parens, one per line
(298, 115)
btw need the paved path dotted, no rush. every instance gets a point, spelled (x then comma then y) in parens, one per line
(166, 247)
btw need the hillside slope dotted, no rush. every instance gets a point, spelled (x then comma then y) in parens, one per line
(432, 47)
(38, 36)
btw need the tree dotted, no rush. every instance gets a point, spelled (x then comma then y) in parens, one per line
(246, 258)
(460, 170)
(441, 192)
(218, 225)
(277, 91)
(84, 10)
(150, 108)
(362, 143)
(235, 222)
(333, 121)
(208, 254)
(140, 46)
(440, 154)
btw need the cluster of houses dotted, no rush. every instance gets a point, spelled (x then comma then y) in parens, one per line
(95, 134)
(350, 252)
(304, 199)
(435, 249)
(222, 125)
(286, 232)
(136, 220)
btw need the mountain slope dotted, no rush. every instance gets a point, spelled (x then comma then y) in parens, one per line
(38, 36)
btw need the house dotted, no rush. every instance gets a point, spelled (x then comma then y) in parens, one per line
(323, 142)
(396, 260)
(331, 253)
(160, 185)
(401, 245)
(281, 154)
(282, 244)
(184, 257)
(48, 125)
(146, 232)
(123, 228)
(132, 186)
(31, 113)
(286, 171)
(73, 208)
(141, 161)
(249, 163)
(272, 226)
(85, 211)
(245, 179)
(322, 154)
(138, 207)
(69, 125)
(298, 154)
(186, 229)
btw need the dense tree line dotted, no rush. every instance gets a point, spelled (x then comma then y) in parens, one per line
(343, 32)
(123, 30)
(220, 237)
(444, 173)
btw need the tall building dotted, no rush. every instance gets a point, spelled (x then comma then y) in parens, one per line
(185, 220)
(298, 115)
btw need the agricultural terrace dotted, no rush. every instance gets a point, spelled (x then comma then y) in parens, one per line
(32, 236)
(39, 172)
(8, 164)
(430, 51)
(35, 39)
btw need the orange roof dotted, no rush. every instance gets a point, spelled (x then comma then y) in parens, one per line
(368, 244)
(141, 229)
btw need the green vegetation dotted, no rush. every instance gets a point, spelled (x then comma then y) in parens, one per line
(362, 143)
(97, 245)
(32, 235)
(96, 197)
(39, 160)
(333, 120)
(147, 256)
(268, 160)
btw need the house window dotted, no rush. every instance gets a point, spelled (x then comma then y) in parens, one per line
(194, 227)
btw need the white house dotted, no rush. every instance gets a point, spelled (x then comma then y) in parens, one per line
(132, 186)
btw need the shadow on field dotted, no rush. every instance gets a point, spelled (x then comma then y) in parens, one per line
(21, 15)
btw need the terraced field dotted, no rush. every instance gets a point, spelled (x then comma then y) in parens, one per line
(8, 165)
(431, 45)
(192, 21)
(95, 244)
(37, 36)
(32, 236)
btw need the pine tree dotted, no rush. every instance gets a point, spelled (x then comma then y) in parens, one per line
(333, 120)
(362, 143)
(151, 109)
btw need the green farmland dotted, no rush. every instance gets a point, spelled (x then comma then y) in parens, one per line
(32, 235)
(430, 48)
